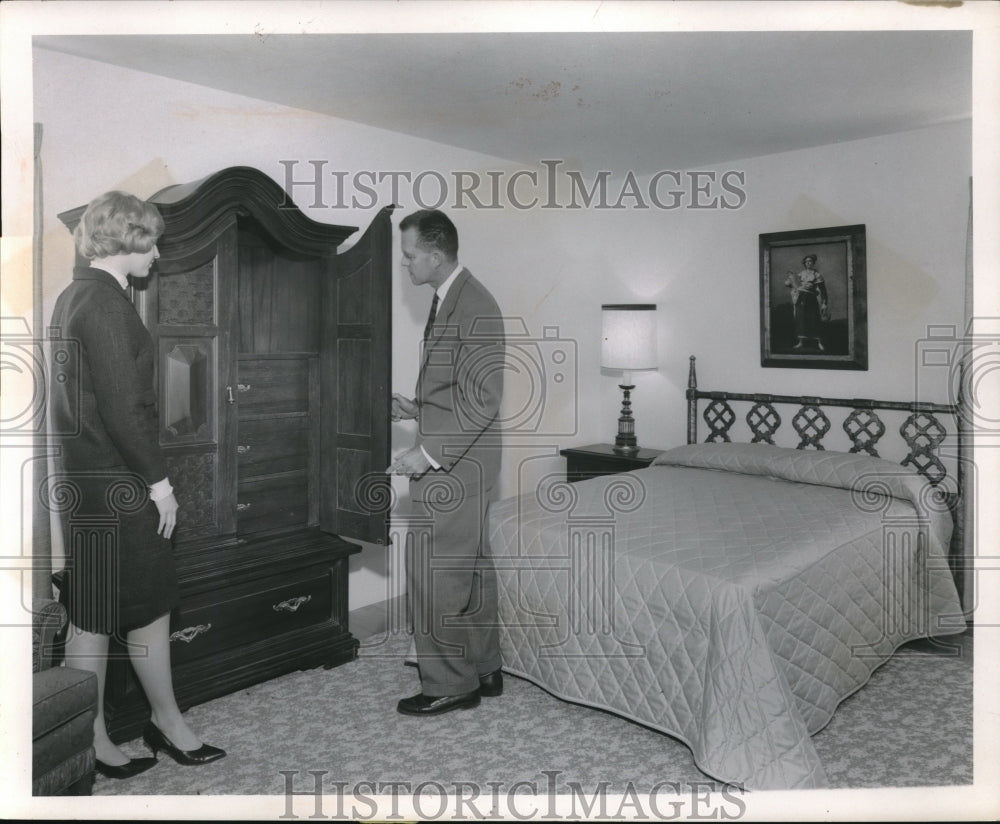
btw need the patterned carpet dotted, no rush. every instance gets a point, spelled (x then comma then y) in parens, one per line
(910, 726)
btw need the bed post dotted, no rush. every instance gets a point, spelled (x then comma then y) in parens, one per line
(692, 399)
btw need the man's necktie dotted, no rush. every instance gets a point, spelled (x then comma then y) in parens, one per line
(431, 316)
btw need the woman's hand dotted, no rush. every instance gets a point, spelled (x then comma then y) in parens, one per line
(168, 515)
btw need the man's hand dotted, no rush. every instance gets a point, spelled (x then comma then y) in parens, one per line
(403, 409)
(412, 463)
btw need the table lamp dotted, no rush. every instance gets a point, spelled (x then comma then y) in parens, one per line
(628, 343)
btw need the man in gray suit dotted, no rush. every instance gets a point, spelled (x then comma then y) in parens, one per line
(453, 469)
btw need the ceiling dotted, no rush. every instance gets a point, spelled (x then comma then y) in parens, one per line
(643, 101)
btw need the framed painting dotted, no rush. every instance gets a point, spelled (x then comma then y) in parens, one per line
(813, 299)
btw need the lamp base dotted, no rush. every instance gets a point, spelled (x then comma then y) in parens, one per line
(625, 449)
(625, 442)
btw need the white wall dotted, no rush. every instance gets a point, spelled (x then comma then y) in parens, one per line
(554, 268)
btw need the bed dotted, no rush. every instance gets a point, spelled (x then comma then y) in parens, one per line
(732, 595)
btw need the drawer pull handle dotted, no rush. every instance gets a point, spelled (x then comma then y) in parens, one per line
(242, 507)
(188, 634)
(243, 387)
(229, 395)
(242, 449)
(292, 604)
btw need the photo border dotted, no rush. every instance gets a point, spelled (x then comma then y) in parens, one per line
(853, 237)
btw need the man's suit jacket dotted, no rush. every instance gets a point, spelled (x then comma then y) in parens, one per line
(107, 396)
(460, 387)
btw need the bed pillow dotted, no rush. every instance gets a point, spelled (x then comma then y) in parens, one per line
(866, 476)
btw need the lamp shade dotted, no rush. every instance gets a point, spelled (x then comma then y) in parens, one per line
(628, 336)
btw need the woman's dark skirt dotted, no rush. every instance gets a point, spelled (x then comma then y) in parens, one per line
(120, 575)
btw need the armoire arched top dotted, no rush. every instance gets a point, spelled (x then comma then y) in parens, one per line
(203, 208)
(194, 208)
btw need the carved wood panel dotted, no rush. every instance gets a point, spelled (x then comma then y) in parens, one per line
(188, 297)
(193, 478)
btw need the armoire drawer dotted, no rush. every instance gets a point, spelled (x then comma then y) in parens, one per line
(267, 447)
(269, 386)
(272, 503)
(241, 615)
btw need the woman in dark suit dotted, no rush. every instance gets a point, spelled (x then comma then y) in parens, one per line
(124, 587)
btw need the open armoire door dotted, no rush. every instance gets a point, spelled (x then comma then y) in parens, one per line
(273, 381)
(355, 359)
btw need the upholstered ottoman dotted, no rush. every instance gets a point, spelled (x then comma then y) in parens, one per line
(64, 703)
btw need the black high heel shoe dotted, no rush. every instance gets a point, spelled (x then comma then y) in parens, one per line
(157, 741)
(126, 770)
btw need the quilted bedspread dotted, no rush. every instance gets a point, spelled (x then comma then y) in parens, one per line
(729, 595)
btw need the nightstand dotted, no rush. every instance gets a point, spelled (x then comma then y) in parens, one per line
(583, 462)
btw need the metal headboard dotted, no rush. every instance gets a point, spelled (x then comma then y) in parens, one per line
(922, 431)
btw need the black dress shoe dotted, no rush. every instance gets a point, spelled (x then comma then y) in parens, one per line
(436, 704)
(491, 684)
(157, 741)
(126, 770)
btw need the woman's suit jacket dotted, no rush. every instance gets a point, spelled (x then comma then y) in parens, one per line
(107, 397)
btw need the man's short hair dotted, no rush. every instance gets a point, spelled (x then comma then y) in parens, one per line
(435, 231)
(117, 223)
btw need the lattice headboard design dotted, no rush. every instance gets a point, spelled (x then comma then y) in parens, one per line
(922, 431)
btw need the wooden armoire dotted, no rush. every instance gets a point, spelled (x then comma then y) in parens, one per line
(273, 381)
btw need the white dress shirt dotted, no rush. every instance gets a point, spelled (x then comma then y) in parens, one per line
(441, 291)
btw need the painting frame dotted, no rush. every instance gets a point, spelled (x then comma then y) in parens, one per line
(814, 313)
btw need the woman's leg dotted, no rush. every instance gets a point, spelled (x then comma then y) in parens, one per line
(149, 649)
(89, 651)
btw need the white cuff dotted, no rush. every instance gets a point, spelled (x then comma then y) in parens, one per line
(434, 464)
(160, 490)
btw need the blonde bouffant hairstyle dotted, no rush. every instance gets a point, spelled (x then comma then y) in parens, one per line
(117, 223)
